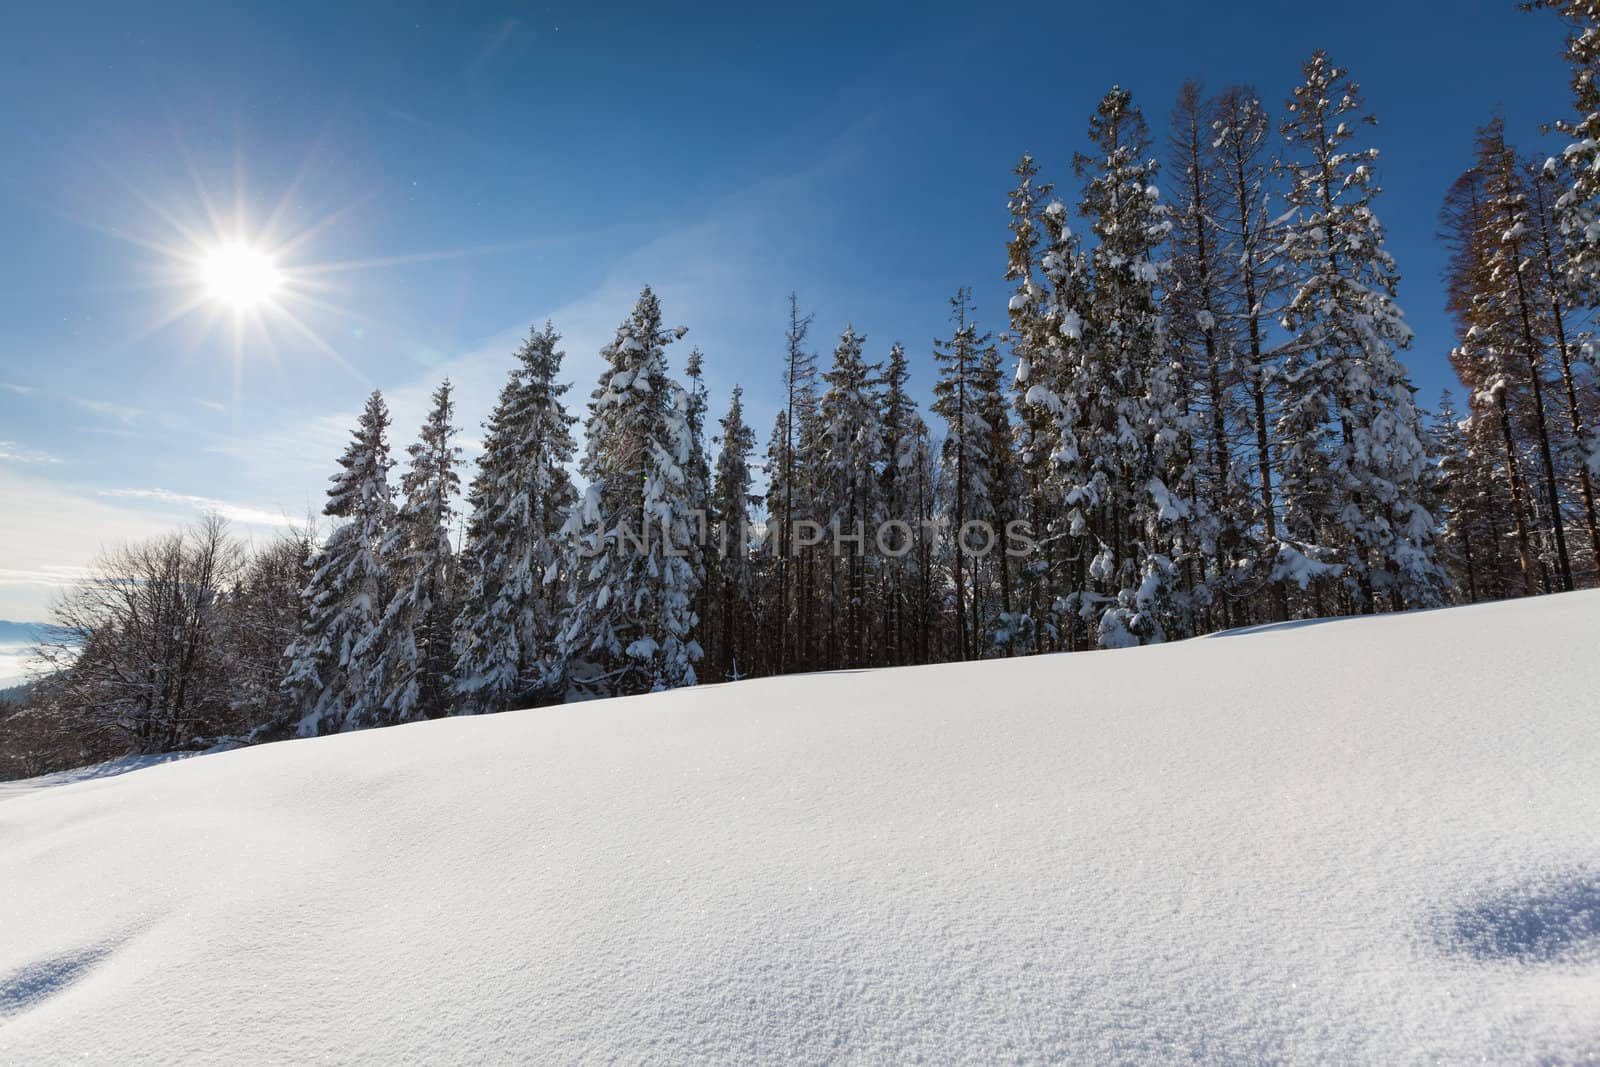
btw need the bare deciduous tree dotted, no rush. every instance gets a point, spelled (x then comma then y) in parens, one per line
(140, 647)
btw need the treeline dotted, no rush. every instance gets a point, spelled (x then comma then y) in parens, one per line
(1199, 421)
(1518, 471)
(164, 644)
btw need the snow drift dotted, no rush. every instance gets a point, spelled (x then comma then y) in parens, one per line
(1365, 841)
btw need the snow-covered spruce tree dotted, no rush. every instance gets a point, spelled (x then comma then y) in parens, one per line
(965, 454)
(1353, 458)
(1059, 377)
(631, 626)
(786, 503)
(1458, 547)
(519, 500)
(903, 430)
(1573, 224)
(1493, 503)
(1035, 432)
(1242, 147)
(1513, 309)
(412, 655)
(1203, 325)
(774, 604)
(1465, 225)
(1123, 430)
(851, 460)
(697, 475)
(331, 659)
(731, 515)
(1471, 507)
(810, 559)
(993, 618)
(1582, 399)
(926, 593)
(1578, 207)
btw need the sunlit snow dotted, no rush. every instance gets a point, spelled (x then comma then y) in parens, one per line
(1365, 841)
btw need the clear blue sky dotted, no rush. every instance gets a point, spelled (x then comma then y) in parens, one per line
(448, 175)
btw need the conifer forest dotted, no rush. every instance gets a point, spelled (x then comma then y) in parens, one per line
(1193, 415)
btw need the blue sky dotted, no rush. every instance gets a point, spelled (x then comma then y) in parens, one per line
(439, 178)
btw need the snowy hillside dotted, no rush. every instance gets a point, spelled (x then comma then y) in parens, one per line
(1365, 841)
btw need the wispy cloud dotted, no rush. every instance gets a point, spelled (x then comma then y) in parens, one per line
(49, 532)
(123, 413)
(232, 512)
(12, 452)
(50, 577)
(111, 410)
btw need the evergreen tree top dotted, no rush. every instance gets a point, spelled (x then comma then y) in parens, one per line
(1120, 197)
(361, 486)
(434, 457)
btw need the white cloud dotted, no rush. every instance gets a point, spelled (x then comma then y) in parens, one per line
(11, 451)
(49, 533)
(123, 413)
(48, 576)
(232, 512)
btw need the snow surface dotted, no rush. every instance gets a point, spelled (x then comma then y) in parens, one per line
(109, 769)
(1366, 841)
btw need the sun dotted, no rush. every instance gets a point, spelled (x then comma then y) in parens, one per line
(243, 279)
(240, 276)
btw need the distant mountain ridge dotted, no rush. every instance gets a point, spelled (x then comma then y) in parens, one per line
(24, 633)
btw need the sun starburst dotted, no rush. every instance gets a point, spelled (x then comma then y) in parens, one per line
(240, 276)
(243, 280)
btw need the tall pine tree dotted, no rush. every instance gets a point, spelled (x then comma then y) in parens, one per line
(1035, 433)
(786, 498)
(731, 507)
(1242, 143)
(519, 500)
(967, 463)
(631, 627)
(1578, 207)
(850, 463)
(413, 658)
(1514, 306)
(903, 433)
(1203, 336)
(1478, 360)
(1354, 459)
(331, 660)
(1121, 420)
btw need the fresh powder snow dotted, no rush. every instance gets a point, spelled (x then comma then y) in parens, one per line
(1373, 840)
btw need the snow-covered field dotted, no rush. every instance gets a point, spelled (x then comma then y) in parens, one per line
(1368, 841)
